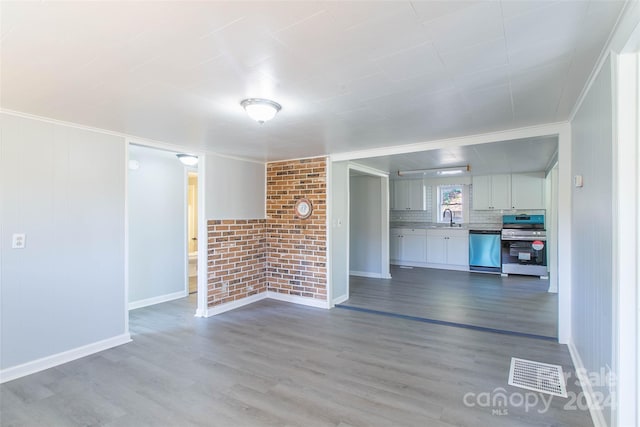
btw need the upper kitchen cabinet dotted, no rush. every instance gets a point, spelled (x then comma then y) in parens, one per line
(527, 190)
(407, 194)
(505, 191)
(492, 192)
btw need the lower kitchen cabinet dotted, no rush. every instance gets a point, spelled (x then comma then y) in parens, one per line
(408, 246)
(448, 249)
(436, 248)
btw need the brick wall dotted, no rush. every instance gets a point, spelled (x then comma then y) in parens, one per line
(297, 248)
(236, 261)
(282, 253)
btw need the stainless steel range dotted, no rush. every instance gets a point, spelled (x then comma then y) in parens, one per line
(524, 245)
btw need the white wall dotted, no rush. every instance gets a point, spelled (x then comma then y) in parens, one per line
(157, 241)
(592, 219)
(235, 188)
(339, 233)
(64, 188)
(551, 203)
(365, 219)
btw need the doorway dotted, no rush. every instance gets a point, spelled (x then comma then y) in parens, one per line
(192, 230)
(368, 253)
(157, 195)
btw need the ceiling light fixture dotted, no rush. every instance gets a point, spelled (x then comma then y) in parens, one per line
(260, 110)
(455, 170)
(187, 159)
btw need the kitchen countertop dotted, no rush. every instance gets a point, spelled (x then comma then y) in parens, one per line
(432, 225)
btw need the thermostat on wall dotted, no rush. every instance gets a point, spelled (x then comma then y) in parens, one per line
(577, 181)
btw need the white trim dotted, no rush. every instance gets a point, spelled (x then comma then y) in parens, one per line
(368, 170)
(581, 372)
(317, 156)
(329, 229)
(563, 235)
(311, 302)
(366, 274)
(125, 303)
(295, 299)
(625, 236)
(242, 159)
(526, 132)
(222, 308)
(452, 267)
(624, 18)
(341, 299)
(38, 365)
(384, 227)
(185, 238)
(384, 221)
(203, 240)
(157, 300)
(347, 231)
(130, 138)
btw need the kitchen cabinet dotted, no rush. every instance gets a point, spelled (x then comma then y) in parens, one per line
(492, 192)
(408, 246)
(394, 243)
(448, 247)
(407, 194)
(527, 190)
(509, 191)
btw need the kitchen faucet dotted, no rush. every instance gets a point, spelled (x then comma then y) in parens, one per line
(444, 214)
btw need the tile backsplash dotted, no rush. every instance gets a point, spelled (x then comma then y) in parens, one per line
(475, 217)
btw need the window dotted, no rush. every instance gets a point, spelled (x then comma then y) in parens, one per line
(450, 197)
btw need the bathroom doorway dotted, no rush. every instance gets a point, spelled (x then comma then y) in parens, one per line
(192, 229)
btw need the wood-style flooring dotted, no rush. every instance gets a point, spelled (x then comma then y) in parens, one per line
(515, 303)
(279, 364)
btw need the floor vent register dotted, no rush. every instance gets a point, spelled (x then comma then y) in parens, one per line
(537, 376)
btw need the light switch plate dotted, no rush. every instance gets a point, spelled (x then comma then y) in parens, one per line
(18, 241)
(577, 181)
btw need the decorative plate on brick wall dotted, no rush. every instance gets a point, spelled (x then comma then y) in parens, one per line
(303, 208)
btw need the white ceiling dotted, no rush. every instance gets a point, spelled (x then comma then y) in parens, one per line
(349, 75)
(516, 156)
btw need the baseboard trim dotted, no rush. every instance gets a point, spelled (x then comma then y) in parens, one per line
(596, 412)
(222, 308)
(38, 365)
(311, 302)
(341, 299)
(427, 265)
(366, 274)
(295, 299)
(157, 300)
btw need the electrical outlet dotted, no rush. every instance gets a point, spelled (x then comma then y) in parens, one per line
(250, 288)
(18, 241)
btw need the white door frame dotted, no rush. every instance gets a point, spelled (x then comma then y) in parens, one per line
(563, 132)
(202, 223)
(384, 214)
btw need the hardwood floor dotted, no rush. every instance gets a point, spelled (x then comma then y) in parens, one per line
(515, 303)
(279, 364)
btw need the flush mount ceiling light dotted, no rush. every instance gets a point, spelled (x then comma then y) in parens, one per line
(260, 110)
(455, 170)
(187, 159)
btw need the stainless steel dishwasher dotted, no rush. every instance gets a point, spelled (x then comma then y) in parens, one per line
(484, 251)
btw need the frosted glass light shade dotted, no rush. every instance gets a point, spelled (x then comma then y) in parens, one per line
(187, 159)
(261, 110)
